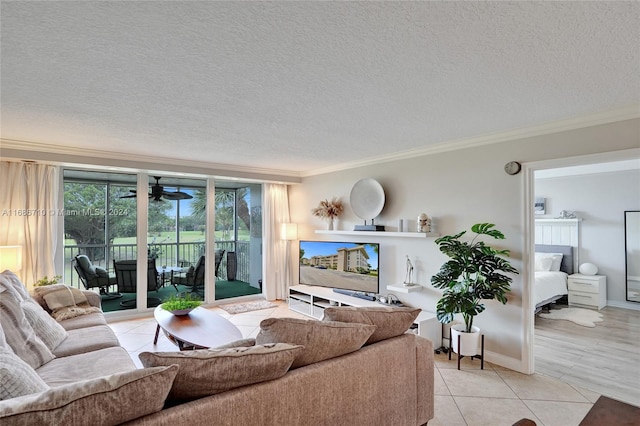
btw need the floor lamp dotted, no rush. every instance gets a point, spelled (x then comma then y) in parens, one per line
(288, 232)
(10, 258)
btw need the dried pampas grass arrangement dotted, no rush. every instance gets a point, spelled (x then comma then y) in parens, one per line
(329, 209)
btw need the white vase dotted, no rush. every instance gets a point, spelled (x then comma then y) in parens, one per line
(468, 341)
(330, 224)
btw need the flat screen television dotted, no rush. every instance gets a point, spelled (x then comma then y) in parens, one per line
(340, 265)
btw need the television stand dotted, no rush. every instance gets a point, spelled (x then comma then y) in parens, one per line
(311, 300)
(358, 294)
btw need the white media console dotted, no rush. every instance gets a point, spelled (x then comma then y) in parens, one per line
(311, 301)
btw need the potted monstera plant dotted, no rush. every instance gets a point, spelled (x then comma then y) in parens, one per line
(475, 272)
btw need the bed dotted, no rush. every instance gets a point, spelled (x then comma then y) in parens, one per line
(551, 273)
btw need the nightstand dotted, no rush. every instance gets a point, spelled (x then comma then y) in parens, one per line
(588, 290)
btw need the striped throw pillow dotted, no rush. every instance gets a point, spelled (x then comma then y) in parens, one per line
(46, 328)
(16, 377)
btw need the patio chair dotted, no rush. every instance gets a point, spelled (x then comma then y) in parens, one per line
(193, 278)
(219, 255)
(126, 277)
(92, 276)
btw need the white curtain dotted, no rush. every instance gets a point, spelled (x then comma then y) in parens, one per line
(29, 216)
(277, 272)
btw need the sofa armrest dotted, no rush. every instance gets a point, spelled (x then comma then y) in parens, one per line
(424, 371)
(93, 298)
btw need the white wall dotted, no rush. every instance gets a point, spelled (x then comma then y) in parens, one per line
(458, 189)
(600, 200)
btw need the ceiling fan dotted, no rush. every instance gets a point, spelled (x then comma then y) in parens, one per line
(158, 193)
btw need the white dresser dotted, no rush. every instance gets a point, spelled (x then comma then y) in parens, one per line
(588, 290)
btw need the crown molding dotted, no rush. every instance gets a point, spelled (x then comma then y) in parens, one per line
(77, 156)
(61, 154)
(621, 114)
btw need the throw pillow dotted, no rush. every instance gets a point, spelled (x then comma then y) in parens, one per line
(19, 334)
(105, 401)
(11, 281)
(242, 343)
(210, 371)
(17, 378)
(321, 339)
(390, 322)
(65, 302)
(46, 328)
(3, 340)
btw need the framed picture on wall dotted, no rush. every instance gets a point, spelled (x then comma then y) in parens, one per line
(540, 205)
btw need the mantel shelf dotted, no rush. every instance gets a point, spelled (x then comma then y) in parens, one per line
(382, 233)
(401, 288)
(549, 220)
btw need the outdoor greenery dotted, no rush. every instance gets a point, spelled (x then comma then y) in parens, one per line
(90, 224)
(475, 272)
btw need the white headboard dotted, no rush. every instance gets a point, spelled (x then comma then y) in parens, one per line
(560, 232)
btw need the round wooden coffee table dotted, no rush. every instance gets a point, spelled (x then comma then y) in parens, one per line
(198, 330)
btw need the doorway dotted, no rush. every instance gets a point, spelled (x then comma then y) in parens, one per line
(560, 346)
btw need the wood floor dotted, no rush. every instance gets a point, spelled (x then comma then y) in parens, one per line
(604, 359)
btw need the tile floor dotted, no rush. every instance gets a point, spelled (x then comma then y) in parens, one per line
(494, 396)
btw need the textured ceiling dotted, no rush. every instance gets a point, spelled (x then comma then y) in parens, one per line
(298, 86)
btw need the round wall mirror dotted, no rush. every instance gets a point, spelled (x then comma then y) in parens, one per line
(367, 198)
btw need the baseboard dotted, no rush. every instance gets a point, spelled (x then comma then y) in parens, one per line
(625, 305)
(505, 361)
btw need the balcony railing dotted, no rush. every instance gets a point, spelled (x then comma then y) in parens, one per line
(169, 254)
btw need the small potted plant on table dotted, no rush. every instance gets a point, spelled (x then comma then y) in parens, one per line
(181, 305)
(475, 272)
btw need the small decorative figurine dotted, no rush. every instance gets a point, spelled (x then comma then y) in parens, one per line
(566, 214)
(424, 223)
(408, 278)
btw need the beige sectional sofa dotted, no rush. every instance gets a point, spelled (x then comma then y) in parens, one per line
(90, 379)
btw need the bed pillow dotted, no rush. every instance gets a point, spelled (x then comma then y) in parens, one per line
(321, 339)
(543, 263)
(390, 322)
(209, 371)
(556, 260)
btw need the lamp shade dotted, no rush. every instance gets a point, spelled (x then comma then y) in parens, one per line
(289, 231)
(10, 258)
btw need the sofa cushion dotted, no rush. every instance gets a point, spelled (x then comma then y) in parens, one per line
(103, 401)
(321, 339)
(101, 272)
(46, 328)
(83, 321)
(86, 366)
(17, 378)
(86, 339)
(389, 322)
(65, 302)
(18, 332)
(210, 371)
